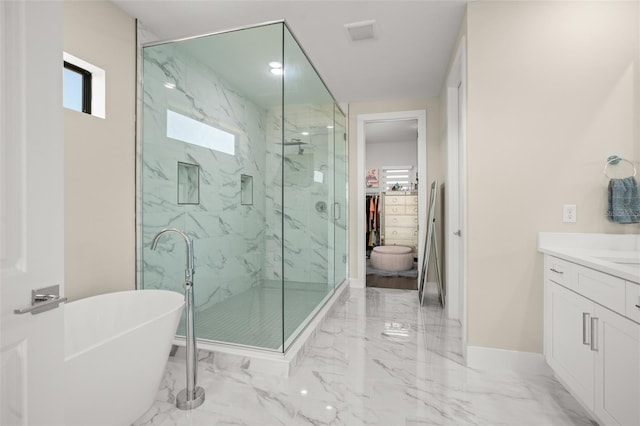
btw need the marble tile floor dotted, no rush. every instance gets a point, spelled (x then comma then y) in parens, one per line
(378, 359)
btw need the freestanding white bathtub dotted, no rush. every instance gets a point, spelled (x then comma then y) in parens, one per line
(116, 350)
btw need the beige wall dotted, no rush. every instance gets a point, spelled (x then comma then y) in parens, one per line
(553, 89)
(432, 106)
(100, 156)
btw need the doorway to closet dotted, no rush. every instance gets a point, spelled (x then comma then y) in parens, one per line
(393, 165)
(391, 207)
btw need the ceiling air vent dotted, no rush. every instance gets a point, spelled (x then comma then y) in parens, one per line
(360, 30)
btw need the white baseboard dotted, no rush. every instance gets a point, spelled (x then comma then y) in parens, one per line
(482, 358)
(357, 282)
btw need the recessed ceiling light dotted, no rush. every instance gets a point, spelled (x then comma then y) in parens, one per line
(358, 31)
(329, 127)
(303, 392)
(275, 64)
(305, 133)
(170, 85)
(277, 71)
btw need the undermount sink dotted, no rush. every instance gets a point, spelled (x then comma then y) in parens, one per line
(622, 260)
(627, 262)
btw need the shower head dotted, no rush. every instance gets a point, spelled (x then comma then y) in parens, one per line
(294, 142)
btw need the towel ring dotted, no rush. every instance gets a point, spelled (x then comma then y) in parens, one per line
(614, 159)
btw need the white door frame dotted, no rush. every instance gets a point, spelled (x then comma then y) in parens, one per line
(361, 155)
(455, 193)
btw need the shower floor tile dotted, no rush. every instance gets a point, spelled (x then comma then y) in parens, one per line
(254, 317)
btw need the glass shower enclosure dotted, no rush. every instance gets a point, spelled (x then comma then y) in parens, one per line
(244, 148)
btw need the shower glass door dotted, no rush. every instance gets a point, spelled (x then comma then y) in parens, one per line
(341, 214)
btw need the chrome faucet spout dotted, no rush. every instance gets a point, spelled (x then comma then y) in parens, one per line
(189, 271)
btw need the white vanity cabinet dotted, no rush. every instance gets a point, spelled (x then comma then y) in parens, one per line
(568, 351)
(617, 369)
(592, 338)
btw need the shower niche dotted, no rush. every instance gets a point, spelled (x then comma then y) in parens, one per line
(248, 107)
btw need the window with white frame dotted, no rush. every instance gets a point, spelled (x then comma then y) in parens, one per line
(398, 178)
(83, 86)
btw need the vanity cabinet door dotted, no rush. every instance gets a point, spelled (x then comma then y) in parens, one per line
(617, 369)
(569, 353)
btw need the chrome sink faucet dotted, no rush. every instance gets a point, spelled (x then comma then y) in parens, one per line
(192, 396)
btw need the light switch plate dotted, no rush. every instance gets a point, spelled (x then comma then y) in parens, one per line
(569, 214)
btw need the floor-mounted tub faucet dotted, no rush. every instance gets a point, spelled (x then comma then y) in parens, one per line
(193, 395)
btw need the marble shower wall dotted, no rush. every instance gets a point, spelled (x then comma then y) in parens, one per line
(229, 238)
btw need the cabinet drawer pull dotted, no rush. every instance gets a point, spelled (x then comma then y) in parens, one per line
(638, 306)
(594, 334)
(556, 271)
(585, 334)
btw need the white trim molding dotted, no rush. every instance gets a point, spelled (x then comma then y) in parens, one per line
(357, 282)
(492, 359)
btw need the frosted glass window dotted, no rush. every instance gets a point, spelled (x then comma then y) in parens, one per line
(195, 132)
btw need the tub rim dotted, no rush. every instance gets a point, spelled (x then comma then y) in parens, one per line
(128, 330)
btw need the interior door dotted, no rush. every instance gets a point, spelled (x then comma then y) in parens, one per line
(31, 210)
(461, 205)
(454, 203)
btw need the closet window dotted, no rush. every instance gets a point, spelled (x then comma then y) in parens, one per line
(399, 177)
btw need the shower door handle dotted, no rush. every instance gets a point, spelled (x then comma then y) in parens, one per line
(337, 211)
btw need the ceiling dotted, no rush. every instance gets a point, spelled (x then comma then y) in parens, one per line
(407, 58)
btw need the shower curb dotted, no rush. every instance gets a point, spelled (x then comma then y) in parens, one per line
(233, 357)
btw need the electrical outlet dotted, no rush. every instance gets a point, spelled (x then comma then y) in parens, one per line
(569, 213)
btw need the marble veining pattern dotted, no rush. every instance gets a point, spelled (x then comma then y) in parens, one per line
(379, 359)
(228, 237)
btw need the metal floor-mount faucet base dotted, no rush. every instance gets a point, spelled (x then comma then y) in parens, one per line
(198, 398)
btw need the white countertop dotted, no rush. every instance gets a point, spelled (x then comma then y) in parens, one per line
(617, 255)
